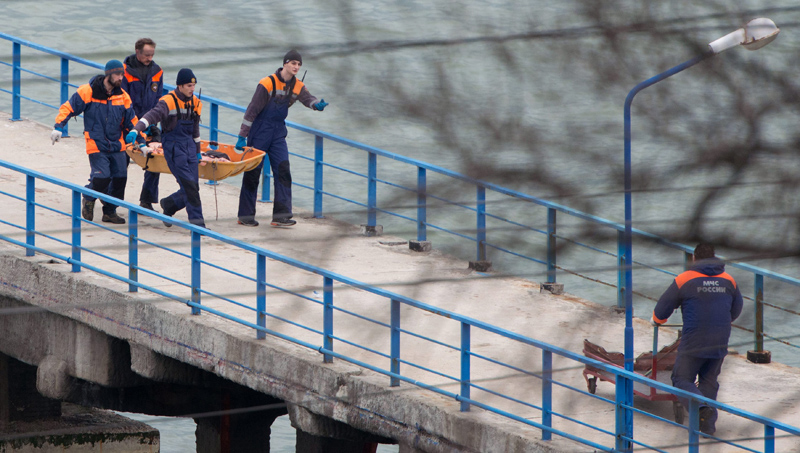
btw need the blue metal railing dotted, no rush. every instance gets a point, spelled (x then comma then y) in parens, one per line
(136, 272)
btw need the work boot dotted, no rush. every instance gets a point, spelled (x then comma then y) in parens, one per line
(707, 420)
(161, 203)
(87, 210)
(113, 218)
(147, 205)
(248, 222)
(284, 222)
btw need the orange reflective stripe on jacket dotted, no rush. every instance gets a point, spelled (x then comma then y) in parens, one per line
(684, 277)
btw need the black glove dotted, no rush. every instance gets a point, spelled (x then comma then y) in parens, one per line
(154, 134)
(216, 154)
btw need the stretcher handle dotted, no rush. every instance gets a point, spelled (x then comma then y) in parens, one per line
(245, 150)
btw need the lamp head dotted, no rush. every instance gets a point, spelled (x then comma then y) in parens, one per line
(759, 32)
(755, 35)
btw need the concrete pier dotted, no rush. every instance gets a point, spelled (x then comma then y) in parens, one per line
(33, 423)
(97, 345)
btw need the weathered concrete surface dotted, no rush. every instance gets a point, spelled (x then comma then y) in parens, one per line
(80, 430)
(419, 420)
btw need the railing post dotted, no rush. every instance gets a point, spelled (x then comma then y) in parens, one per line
(318, 182)
(465, 366)
(372, 190)
(30, 215)
(694, 425)
(620, 270)
(327, 318)
(213, 134)
(481, 223)
(196, 271)
(758, 354)
(624, 414)
(551, 245)
(547, 393)
(76, 231)
(213, 127)
(759, 315)
(395, 347)
(261, 295)
(16, 81)
(65, 89)
(133, 250)
(769, 439)
(422, 204)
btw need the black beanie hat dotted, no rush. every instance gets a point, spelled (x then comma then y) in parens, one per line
(292, 55)
(185, 76)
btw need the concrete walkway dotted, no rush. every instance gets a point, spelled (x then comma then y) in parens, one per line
(431, 277)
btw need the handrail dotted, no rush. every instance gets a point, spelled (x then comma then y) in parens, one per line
(328, 277)
(327, 351)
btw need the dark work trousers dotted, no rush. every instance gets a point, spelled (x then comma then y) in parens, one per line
(689, 369)
(150, 187)
(108, 169)
(278, 155)
(180, 151)
(149, 192)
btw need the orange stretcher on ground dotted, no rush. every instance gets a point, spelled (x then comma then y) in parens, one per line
(213, 171)
(654, 365)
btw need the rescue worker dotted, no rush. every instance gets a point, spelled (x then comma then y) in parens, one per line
(179, 114)
(107, 116)
(264, 128)
(710, 301)
(144, 84)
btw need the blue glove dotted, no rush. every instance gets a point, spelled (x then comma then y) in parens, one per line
(131, 137)
(241, 142)
(321, 105)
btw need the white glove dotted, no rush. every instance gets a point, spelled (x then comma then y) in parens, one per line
(653, 322)
(55, 136)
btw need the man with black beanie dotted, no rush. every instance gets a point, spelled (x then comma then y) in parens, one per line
(264, 128)
(179, 114)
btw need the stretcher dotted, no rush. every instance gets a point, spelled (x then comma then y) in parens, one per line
(240, 162)
(656, 365)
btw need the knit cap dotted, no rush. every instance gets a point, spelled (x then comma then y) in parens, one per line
(292, 55)
(113, 67)
(185, 76)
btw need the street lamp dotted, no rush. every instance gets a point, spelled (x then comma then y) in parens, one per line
(754, 35)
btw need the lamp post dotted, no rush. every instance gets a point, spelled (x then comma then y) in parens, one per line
(754, 35)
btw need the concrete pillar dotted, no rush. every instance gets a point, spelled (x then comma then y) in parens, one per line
(309, 443)
(408, 449)
(20, 399)
(235, 431)
(246, 433)
(53, 379)
(319, 434)
(4, 396)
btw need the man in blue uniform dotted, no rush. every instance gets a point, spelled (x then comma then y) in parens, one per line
(710, 301)
(179, 114)
(144, 83)
(264, 128)
(107, 115)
